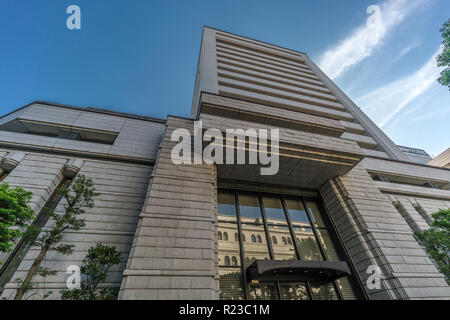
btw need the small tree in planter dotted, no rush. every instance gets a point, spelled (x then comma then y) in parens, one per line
(443, 59)
(436, 241)
(95, 268)
(79, 195)
(15, 215)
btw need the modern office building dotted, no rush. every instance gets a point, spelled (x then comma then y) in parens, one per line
(416, 155)
(344, 202)
(442, 160)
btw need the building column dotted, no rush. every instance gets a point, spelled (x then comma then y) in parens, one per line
(174, 252)
(375, 233)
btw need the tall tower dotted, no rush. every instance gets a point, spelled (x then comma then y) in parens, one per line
(244, 69)
(343, 205)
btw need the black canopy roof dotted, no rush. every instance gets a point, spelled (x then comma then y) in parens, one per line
(295, 270)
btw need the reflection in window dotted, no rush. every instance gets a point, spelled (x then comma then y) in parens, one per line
(249, 207)
(274, 209)
(255, 249)
(346, 288)
(262, 291)
(274, 240)
(230, 284)
(264, 215)
(225, 203)
(323, 292)
(284, 251)
(316, 213)
(294, 291)
(327, 244)
(307, 244)
(296, 211)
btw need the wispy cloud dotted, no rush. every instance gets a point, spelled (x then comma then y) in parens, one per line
(440, 112)
(407, 49)
(384, 103)
(365, 39)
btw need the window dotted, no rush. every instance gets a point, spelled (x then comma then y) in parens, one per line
(225, 236)
(277, 225)
(304, 232)
(409, 180)
(3, 175)
(231, 280)
(220, 235)
(57, 131)
(14, 260)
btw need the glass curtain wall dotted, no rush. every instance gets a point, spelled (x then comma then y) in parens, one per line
(258, 226)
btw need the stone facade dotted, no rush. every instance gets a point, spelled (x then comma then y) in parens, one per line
(377, 229)
(121, 173)
(163, 217)
(174, 254)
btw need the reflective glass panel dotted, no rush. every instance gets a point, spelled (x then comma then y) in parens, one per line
(297, 211)
(262, 291)
(316, 213)
(328, 245)
(346, 288)
(274, 210)
(307, 244)
(249, 207)
(231, 285)
(294, 291)
(226, 208)
(323, 292)
(228, 247)
(255, 246)
(284, 248)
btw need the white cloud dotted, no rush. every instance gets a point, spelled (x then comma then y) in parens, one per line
(362, 42)
(407, 49)
(384, 103)
(440, 112)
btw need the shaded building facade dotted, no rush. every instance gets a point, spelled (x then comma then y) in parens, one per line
(345, 197)
(416, 155)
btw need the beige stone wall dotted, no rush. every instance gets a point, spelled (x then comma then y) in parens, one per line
(112, 221)
(174, 254)
(375, 232)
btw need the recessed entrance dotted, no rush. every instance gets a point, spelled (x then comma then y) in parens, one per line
(279, 247)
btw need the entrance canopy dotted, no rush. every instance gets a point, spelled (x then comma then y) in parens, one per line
(295, 270)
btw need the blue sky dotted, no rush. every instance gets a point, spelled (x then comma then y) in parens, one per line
(141, 56)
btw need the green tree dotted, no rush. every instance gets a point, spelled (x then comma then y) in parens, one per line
(15, 215)
(436, 241)
(79, 195)
(443, 59)
(95, 268)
